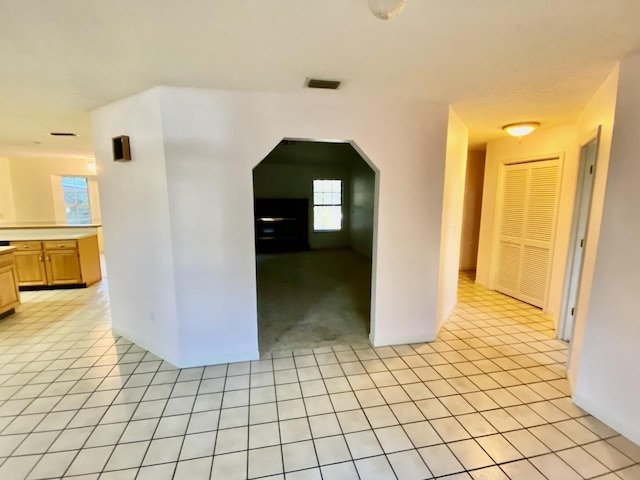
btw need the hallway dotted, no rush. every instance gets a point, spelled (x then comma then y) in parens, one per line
(487, 401)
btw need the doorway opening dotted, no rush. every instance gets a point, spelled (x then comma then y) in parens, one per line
(471, 212)
(314, 209)
(528, 194)
(580, 224)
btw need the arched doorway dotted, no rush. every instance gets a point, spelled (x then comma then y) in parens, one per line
(314, 205)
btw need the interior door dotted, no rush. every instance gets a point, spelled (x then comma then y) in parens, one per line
(528, 210)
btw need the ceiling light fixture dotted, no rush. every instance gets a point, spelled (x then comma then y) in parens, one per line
(63, 134)
(386, 9)
(520, 129)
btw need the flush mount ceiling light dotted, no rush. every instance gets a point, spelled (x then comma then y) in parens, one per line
(386, 9)
(520, 129)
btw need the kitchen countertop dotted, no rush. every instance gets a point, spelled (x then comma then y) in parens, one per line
(4, 250)
(35, 225)
(9, 236)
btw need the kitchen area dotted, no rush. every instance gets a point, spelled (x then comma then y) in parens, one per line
(50, 230)
(45, 257)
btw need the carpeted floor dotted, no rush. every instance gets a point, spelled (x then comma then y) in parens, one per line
(313, 299)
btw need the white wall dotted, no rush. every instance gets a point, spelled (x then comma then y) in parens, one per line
(137, 237)
(472, 210)
(551, 142)
(363, 188)
(600, 111)
(607, 378)
(452, 205)
(33, 189)
(7, 208)
(273, 180)
(211, 142)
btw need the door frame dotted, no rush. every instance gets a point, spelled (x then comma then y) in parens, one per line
(495, 233)
(374, 240)
(573, 271)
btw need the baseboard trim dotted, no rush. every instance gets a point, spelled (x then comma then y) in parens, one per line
(606, 415)
(145, 345)
(217, 359)
(200, 361)
(401, 340)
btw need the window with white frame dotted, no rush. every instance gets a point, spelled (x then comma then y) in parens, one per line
(75, 192)
(327, 205)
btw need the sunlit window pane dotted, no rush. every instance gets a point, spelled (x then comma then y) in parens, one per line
(75, 193)
(326, 218)
(327, 201)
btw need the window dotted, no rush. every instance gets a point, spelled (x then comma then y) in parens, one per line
(327, 205)
(75, 192)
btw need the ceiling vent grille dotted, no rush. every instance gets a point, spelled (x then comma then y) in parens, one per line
(324, 84)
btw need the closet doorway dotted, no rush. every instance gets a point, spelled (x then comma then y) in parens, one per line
(526, 226)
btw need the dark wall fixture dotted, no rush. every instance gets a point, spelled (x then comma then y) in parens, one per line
(121, 149)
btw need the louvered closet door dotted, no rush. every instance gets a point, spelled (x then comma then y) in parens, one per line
(529, 205)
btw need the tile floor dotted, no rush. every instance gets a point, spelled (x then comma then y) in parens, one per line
(487, 401)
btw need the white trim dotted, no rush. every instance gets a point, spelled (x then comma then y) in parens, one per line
(376, 208)
(402, 339)
(141, 343)
(215, 358)
(607, 415)
(573, 269)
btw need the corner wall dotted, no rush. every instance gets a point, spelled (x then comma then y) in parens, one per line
(363, 200)
(452, 206)
(599, 112)
(199, 213)
(136, 225)
(607, 377)
(7, 208)
(472, 210)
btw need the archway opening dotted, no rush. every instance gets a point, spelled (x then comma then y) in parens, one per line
(314, 212)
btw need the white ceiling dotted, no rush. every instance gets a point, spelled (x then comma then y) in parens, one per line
(497, 61)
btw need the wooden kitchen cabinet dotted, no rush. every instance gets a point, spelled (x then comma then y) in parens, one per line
(9, 294)
(63, 267)
(30, 263)
(58, 262)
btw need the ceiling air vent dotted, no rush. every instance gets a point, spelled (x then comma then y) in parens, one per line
(63, 134)
(319, 83)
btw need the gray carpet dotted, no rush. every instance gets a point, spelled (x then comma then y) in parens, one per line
(313, 299)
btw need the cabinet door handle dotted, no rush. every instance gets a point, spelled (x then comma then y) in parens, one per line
(40, 258)
(60, 246)
(25, 246)
(48, 258)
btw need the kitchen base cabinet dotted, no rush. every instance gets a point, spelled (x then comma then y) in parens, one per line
(58, 262)
(9, 294)
(30, 264)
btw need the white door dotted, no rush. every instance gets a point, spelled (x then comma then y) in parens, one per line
(582, 209)
(528, 205)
